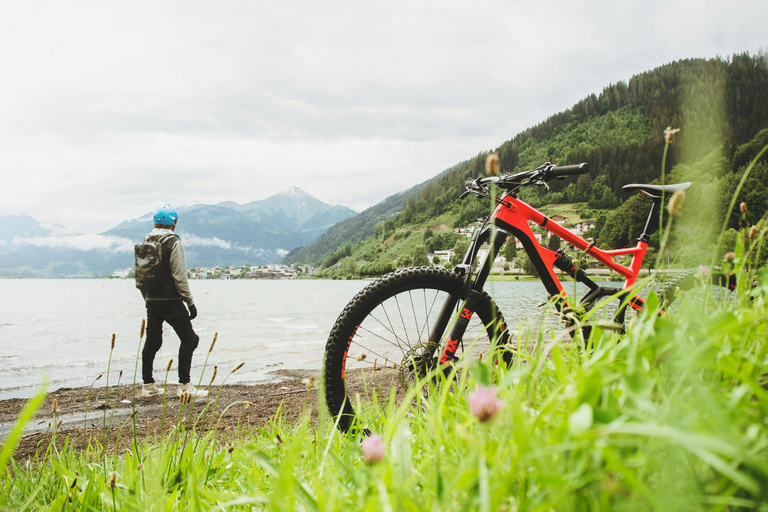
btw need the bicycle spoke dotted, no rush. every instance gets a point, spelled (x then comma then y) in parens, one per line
(402, 320)
(376, 335)
(363, 357)
(392, 330)
(428, 314)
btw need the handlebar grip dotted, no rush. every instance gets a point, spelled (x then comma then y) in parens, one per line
(568, 170)
(486, 180)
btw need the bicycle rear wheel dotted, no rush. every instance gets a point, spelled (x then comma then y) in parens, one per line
(616, 310)
(703, 289)
(381, 341)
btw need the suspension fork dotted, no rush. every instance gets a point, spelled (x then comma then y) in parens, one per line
(471, 293)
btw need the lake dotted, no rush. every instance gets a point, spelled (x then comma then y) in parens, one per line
(62, 328)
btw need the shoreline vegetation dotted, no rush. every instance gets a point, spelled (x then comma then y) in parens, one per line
(596, 274)
(80, 412)
(669, 415)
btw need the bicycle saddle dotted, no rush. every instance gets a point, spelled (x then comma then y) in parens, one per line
(655, 191)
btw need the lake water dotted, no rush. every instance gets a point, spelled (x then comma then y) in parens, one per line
(62, 328)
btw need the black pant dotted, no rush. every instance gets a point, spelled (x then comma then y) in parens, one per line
(173, 312)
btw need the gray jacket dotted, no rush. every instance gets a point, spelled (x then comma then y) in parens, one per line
(178, 264)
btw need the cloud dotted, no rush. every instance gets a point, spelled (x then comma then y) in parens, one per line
(320, 72)
(193, 240)
(198, 241)
(84, 242)
(350, 101)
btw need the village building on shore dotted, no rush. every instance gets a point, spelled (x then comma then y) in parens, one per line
(271, 271)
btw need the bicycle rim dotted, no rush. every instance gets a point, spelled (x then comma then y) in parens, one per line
(380, 345)
(702, 292)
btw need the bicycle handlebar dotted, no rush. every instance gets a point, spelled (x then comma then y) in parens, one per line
(544, 173)
(569, 170)
(539, 176)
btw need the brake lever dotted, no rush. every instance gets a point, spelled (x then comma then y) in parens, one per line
(465, 194)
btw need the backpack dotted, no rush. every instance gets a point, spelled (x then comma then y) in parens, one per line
(150, 267)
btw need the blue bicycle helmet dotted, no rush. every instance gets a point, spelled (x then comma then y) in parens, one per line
(165, 215)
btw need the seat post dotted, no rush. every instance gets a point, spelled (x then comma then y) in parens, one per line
(655, 202)
(656, 193)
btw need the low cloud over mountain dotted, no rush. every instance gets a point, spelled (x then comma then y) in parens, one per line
(227, 233)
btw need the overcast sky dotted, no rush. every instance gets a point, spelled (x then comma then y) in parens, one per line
(109, 108)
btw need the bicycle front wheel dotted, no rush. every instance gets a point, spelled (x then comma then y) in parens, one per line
(381, 341)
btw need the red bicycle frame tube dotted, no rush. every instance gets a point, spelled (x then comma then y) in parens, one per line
(515, 213)
(512, 216)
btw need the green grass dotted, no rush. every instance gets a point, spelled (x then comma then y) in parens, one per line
(671, 416)
(568, 210)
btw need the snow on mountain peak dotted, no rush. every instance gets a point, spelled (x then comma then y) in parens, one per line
(295, 192)
(299, 196)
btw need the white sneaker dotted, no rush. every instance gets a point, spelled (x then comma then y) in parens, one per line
(151, 389)
(191, 391)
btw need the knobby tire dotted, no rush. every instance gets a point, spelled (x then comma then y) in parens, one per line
(385, 328)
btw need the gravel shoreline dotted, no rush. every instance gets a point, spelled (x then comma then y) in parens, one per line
(238, 406)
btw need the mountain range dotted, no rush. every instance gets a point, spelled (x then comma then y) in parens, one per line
(720, 105)
(228, 233)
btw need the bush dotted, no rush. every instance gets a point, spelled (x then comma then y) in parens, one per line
(378, 268)
(348, 266)
(525, 263)
(459, 250)
(419, 255)
(440, 241)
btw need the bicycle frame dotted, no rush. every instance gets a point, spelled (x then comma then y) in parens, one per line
(511, 217)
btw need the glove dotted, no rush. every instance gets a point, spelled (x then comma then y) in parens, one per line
(192, 311)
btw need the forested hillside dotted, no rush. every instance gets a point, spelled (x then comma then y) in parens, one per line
(719, 105)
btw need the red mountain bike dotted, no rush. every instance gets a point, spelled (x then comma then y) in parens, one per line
(411, 321)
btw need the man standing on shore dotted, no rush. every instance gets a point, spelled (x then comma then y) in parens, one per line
(165, 303)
